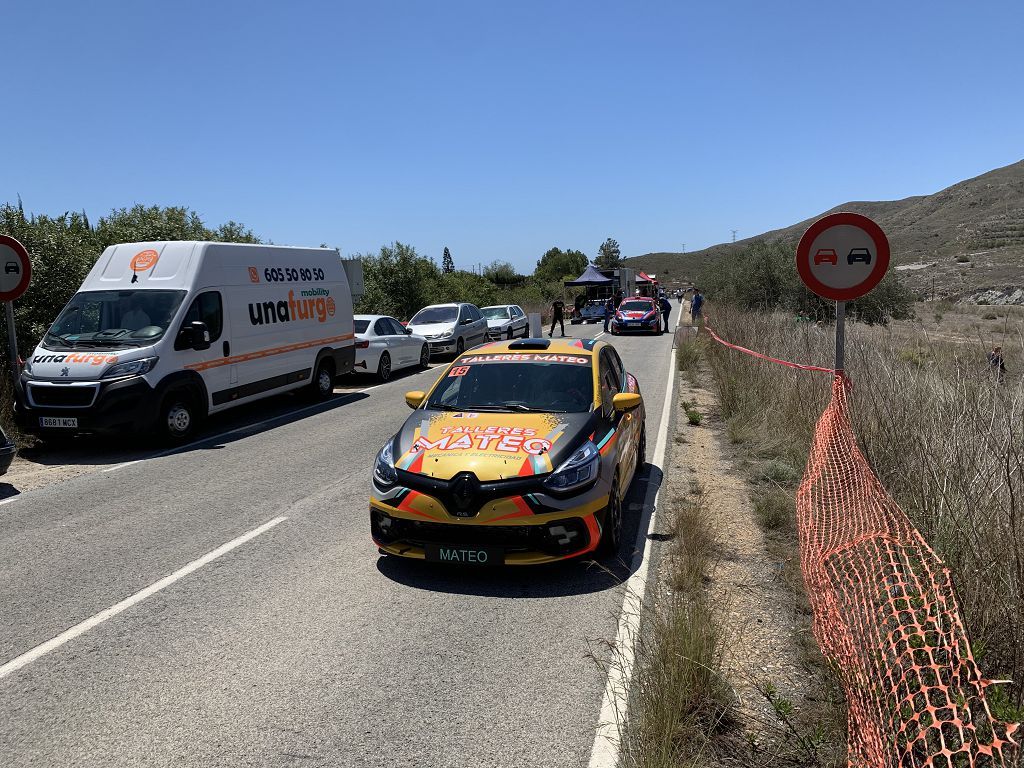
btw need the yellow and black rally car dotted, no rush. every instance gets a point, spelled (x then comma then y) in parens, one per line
(521, 453)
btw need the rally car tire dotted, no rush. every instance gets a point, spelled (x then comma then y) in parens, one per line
(641, 451)
(611, 531)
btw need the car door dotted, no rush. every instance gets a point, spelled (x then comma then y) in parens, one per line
(220, 374)
(613, 380)
(402, 344)
(479, 323)
(519, 320)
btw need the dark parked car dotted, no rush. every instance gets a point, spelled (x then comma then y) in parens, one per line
(859, 254)
(7, 451)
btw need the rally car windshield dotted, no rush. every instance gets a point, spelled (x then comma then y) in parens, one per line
(435, 315)
(114, 318)
(636, 306)
(549, 387)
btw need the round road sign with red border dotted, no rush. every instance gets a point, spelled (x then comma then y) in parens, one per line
(842, 256)
(15, 269)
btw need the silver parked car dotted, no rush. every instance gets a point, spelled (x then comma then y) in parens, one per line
(506, 321)
(450, 328)
(384, 345)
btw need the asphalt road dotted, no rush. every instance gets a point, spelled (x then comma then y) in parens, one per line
(300, 646)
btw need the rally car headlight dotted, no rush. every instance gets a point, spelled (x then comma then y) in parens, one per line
(132, 368)
(384, 467)
(581, 469)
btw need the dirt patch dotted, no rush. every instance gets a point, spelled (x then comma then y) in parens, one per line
(771, 661)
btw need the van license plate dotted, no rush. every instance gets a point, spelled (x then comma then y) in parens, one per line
(60, 423)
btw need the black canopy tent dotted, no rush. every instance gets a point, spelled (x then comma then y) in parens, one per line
(591, 277)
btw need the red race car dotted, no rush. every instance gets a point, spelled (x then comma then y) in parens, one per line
(826, 254)
(637, 314)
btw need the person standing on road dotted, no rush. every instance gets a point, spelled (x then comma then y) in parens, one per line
(609, 310)
(666, 310)
(557, 317)
(995, 361)
(696, 306)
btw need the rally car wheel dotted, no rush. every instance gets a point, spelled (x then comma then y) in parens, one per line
(641, 451)
(611, 532)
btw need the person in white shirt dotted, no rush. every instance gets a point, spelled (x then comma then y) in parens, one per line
(135, 318)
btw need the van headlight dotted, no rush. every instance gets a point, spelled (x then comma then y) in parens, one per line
(384, 473)
(132, 368)
(580, 470)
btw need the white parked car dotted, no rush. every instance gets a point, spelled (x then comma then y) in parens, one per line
(450, 328)
(506, 321)
(384, 345)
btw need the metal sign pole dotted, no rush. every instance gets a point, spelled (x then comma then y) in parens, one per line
(12, 343)
(840, 335)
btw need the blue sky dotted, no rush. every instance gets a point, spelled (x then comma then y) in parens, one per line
(502, 129)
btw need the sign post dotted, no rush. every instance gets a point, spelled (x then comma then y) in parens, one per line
(842, 257)
(15, 275)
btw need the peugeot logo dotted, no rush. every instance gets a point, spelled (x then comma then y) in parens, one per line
(464, 489)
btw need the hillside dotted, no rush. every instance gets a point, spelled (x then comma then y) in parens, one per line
(957, 243)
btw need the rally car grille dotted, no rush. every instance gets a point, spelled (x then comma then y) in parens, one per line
(464, 495)
(554, 538)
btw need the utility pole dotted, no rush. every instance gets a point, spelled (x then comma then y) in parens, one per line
(684, 248)
(734, 231)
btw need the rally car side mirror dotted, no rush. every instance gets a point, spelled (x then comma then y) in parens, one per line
(415, 398)
(626, 401)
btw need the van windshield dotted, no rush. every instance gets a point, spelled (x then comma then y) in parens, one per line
(114, 318)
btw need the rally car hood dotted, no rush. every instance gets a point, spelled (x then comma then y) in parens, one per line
(493, 446)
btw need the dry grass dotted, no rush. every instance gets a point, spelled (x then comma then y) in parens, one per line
(680, 698)
(944, 437)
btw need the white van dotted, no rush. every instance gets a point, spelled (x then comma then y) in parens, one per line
(161, 334)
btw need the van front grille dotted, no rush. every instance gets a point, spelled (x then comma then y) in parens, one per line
(61, 396)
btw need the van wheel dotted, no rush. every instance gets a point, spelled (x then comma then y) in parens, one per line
(384, 367)
(322, 386)
(425, 357)
(611, 531)
(179, 416)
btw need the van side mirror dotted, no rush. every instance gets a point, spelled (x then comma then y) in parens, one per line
(200, 335)
(415, 398)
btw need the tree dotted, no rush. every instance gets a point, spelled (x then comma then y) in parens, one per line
(447, 263)
(398, 281)
(502, 273)
(609, 255)
(558, 265)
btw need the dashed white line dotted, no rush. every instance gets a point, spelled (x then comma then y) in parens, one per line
(95, 620)
(605, 752)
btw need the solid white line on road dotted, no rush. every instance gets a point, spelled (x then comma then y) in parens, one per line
(605, 752)
(50, 645)
(8, 501)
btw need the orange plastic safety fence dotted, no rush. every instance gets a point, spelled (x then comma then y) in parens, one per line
(886, 616)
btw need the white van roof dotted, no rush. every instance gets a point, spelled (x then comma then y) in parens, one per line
(187, 264)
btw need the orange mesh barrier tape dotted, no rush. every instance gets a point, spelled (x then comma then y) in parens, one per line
(752, 353)
(886, 617)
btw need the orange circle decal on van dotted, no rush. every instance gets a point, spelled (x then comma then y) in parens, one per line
(144, 260)
(330, 307)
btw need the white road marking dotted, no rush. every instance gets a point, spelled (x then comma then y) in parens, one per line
(605, 752)
(95, 620)
(8, 501)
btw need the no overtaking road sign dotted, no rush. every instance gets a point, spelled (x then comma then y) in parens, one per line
(15, 269)
(842, 256)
